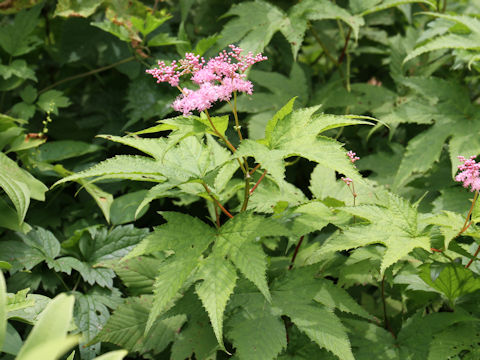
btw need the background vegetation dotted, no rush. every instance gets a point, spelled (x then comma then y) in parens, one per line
(310, 267)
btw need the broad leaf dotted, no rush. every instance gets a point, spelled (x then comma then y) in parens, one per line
(406, 231)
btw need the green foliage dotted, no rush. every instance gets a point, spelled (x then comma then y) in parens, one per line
(249, 231)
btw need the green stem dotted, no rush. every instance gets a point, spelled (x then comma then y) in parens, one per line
(385, 317)
(322, 45)
(61, 280)
(225, 140)
(247, 192)
(217, 215)
(88, 73)
(235, 115)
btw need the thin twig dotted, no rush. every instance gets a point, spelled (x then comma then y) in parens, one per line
(345, 45)
(258, 182)
(225, 140)
(254, 169)
(88, 73)
(247, 192)
(322, 45)
(296, 252)
(225, 211)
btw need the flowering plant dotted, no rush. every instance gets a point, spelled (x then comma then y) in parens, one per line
(217, 79)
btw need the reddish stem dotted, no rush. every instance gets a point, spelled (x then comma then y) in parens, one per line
(296, 252)
(347, 39)
(254, 169)
(225, 211)
(258, 182)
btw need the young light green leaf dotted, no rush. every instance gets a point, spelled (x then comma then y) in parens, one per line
(51, 329)
(17, 192)
(36, 188)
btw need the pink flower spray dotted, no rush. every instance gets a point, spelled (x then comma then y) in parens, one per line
(217, 79)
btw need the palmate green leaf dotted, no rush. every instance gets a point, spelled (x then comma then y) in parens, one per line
(16, 38)
(219, 278)
(126, 327)
(460, 128)
(238, 241)
(406, 231)
(451, 280)
(296, 134)
(197, 336)
(256, 332)
(51, 100)
(293, 296)
(311, 10)
(188, 238)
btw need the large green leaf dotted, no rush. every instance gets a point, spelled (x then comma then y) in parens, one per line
(293, 295)
(219, 278)
(451, 280)
(36, 188)
(188, 238)
(48, 338)
(126, 327)
(18, 193)
(406, 231)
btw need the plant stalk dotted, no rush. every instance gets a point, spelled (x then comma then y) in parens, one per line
(88, 73)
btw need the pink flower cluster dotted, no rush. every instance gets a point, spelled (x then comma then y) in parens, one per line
(470, 172)
(347, 180)
(217, 79)
(352, 156)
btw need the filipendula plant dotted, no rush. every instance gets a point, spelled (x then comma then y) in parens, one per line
(209, 284)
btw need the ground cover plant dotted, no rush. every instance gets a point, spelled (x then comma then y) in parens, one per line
(205, 179)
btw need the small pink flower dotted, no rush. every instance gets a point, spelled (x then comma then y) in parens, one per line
(347, 180)
(352, 156)
(470, 172)
(217, 79)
